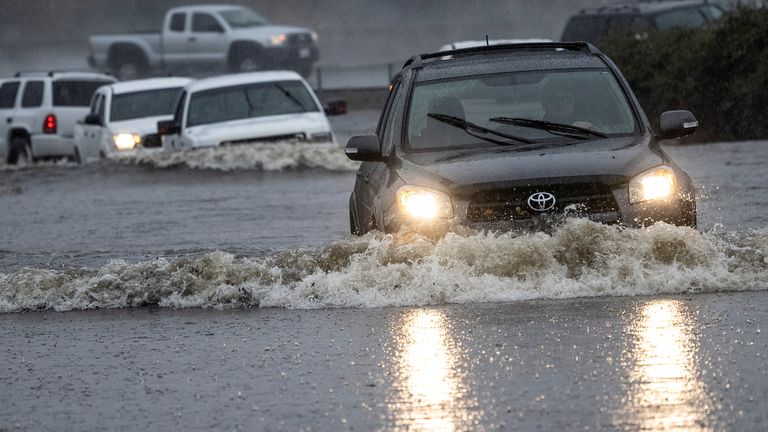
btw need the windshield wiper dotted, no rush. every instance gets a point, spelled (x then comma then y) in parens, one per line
(473, 129)
(290, 96)
(553, 128)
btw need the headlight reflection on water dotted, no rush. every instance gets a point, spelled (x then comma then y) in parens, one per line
(429, 392)
(665, 392)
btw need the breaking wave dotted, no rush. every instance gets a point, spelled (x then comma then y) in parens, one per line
(266, 157)
(580, 259)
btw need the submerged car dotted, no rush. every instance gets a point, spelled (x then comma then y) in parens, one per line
(512, 136)
(249, 108)
(123, 117)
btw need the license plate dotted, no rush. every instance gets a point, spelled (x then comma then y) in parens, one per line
(304, 52)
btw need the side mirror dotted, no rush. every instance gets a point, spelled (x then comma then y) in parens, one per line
(92, 120)
(168, 127)
(676, 124)
(334, 108)
(365, 148)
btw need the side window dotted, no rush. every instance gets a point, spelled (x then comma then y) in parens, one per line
(205, 23)
(179, 114)
(8, 93)
(687, 18)
(33, 94)
(712, 12)
(178, 22)
(94, 103)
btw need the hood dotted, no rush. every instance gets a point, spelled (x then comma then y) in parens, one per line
(610, 161)
(141, 126)
(308, 123)
(267, 31)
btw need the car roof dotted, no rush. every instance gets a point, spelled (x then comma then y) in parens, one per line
(37, 75)
(148, 84)
(206, 8)
(644, 8)
(505, 58)
(242, 78)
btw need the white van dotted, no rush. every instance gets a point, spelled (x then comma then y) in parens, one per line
(123, 117)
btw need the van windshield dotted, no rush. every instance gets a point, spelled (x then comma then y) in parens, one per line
(515, 104)
(150, 103)
(249, 101)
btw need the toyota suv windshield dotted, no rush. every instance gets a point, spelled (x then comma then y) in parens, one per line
(249, 101)
(518, 108)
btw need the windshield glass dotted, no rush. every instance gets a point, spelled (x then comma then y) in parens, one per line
(590, 99)
(242, 18)
(249, 101)
(151, 103)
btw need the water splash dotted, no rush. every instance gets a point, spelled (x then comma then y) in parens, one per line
(580, 259)
(266, 157)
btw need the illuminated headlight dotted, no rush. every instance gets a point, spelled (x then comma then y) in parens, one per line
(422, 203)
(278, 39)
(126, 141)
(658, 183)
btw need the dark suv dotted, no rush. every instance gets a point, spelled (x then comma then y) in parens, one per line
(509, 136)
(593, 25)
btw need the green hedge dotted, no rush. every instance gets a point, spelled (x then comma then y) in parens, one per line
(718, 73)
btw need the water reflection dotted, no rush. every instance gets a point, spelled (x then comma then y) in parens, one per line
(428, 391)
(665, 391)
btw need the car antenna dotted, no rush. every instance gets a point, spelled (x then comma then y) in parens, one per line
(487, 42)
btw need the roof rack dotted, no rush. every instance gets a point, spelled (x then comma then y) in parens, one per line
(51, 73)
(530, 46)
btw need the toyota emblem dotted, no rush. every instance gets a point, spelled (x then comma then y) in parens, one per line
(541, 201)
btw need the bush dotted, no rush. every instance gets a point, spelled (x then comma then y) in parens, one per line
(718, 73)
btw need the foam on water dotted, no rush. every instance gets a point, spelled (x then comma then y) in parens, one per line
(266, 157)
(578, 260)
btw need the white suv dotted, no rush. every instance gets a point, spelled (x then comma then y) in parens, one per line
(246, 108)
(39, 110)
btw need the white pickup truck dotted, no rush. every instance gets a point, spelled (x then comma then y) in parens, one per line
(206, 38)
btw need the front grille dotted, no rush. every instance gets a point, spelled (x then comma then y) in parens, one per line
(151, 141)
(296, 137)
(512, 203)
(300, 39)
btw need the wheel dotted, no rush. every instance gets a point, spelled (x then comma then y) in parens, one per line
(76, 158)
(19, 152)
(129, 69)
(245, 58)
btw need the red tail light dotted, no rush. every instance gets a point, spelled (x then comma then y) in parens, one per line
(49, 126)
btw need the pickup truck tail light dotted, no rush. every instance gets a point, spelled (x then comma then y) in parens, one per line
(49, 125)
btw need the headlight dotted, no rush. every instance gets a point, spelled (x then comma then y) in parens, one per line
(126, 141)
(657, 183)
(278, 40)
(314, 36)
(423, 203)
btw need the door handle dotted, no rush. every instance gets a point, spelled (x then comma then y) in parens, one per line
(9, 120)
(192, 39)
(367, 179)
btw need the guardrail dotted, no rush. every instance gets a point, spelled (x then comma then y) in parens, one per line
(353, 77)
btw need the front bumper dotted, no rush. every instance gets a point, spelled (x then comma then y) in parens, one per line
(678, 210)
(292, 55)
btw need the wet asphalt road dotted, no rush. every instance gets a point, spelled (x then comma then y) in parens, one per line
(688, 363)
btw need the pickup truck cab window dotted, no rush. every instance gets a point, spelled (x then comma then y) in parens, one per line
(205, 23)
(178, 22)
